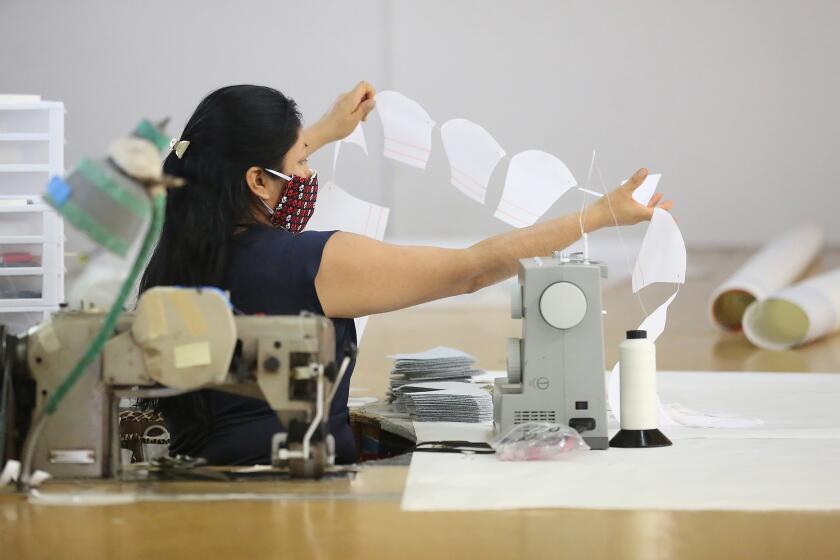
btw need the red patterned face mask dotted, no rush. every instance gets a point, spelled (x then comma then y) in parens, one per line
(297, 202)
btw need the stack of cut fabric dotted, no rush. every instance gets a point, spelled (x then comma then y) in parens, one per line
(438, 364)
(444, 401)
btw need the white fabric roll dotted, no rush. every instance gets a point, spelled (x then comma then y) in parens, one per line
(775, 266)
(795, 315)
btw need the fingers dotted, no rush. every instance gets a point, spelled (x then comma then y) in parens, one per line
(362, 92)
(654, 200)
(365, 108)
(638, 214)
(636, 180)
(360, 100)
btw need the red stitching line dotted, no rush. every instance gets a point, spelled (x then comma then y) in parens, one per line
(516, 218)
(519, 207)
(471, 188)
(367, 221)
(476, 181)
(421, 148)
(421, 160)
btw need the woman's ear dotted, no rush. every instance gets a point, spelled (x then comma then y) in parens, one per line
(256, 179)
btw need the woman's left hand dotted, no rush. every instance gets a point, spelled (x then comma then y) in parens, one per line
(348, 111)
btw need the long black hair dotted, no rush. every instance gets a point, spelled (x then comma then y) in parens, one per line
(232, 129)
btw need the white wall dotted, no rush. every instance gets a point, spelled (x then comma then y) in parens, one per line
(734, 101)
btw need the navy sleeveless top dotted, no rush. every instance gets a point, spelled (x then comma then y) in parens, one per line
(271, 272)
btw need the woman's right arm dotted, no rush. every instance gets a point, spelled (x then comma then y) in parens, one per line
(360, 276)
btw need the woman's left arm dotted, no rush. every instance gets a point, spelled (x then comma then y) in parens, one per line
(347, 112)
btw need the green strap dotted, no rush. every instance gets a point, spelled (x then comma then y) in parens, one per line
(95, 348)
(151, 133)
(79, 218)
(99, 177)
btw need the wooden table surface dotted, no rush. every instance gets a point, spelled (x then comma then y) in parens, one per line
(360, 517)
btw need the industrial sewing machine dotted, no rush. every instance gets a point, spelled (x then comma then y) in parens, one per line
(64, 378)
(178, 340)
(556, 370)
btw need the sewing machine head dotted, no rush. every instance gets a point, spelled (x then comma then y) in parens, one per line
(556, 370)
(179, 339)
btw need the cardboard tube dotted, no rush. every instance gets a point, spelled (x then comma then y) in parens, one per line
(796, 315)
(776, 265)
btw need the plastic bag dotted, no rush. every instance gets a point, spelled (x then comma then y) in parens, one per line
(539, 441)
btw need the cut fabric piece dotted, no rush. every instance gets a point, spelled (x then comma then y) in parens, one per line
(438, 364)
(741, 398)
(407, 129)
(444, 401)
(473, 154)
(662, 256)
(654, 324)
(535, 180)
(693, 419)
(361, 325)
(644, 192)
(356, 137)
(338, 209)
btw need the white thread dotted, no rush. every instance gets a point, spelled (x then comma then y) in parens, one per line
(620, 237)
(582, 213)
(593, 193)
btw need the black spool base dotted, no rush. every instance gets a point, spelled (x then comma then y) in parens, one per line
(640, 438)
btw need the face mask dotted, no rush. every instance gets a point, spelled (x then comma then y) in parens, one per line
(297, 202)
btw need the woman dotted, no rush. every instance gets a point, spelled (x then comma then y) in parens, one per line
(237, 225)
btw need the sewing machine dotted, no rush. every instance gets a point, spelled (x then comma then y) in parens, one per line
(556, 370)
(177, 340)
(66, 393)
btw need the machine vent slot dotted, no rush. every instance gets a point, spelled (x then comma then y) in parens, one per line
(523, 416)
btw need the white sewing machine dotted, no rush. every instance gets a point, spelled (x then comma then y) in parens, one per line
(556, 370)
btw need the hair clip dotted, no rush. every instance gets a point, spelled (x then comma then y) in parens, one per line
(179, 146)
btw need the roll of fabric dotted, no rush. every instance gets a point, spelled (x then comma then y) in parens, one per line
(775, 266)
(796, 315)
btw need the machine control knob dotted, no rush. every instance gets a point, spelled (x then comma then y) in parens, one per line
(514, 360)
(516, 302)
(271, 364)
(563, 305)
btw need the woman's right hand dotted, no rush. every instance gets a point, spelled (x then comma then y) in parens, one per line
(619, 208)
